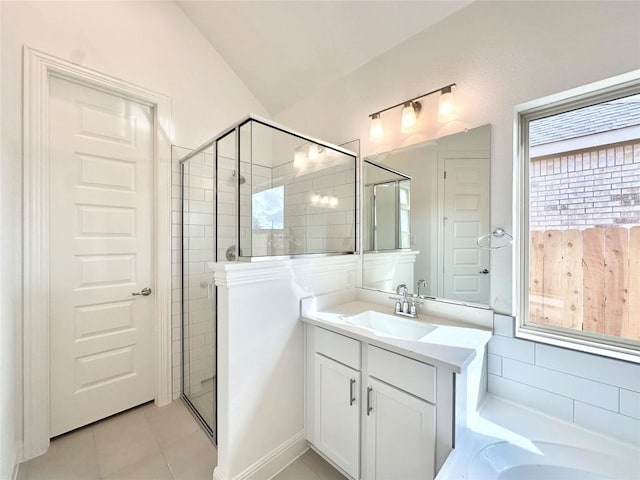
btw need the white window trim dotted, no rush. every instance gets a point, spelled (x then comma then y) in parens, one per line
(523, 114)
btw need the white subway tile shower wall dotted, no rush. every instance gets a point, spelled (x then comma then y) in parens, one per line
(199, 232)
(313, 228)
(595, 392)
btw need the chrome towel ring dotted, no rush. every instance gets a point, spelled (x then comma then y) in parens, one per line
(503, 238)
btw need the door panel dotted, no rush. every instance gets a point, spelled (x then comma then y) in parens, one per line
(400, 435)
(466, 207)
(100, 219)
(337, 413)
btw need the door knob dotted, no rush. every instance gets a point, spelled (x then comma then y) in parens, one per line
(484, 272)
(144, 292)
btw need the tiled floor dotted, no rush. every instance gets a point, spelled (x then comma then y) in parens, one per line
(147, 443)
(144, 443)
(309, 466)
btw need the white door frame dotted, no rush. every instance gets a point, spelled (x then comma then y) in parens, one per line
(38, 68)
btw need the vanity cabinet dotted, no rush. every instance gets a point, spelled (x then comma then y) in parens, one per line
(381, 428)
(336, 396)
(401, 416)
(337, 413)
(400, 434)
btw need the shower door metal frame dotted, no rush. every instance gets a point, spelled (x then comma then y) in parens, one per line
(211, 431)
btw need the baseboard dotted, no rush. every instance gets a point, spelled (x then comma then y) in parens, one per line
(273, 462)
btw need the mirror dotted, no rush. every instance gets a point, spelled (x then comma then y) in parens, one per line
(424, 207)
(386, 200)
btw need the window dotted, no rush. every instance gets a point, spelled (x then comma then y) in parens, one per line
(267, 208)
(578, 246)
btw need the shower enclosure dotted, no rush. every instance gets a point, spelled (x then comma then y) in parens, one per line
(256, 191)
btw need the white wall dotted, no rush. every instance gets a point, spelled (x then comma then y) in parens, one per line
(261, 359)
(151, 44)
(500, 54)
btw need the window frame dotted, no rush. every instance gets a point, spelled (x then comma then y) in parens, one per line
(597, 92)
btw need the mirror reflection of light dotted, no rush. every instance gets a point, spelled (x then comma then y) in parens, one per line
(299, 160)
(314, 152)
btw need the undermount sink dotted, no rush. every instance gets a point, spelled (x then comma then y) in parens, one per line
(390, 324)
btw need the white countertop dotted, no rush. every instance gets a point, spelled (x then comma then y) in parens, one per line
(453, 345)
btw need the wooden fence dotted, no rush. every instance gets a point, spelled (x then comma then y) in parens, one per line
(586, 279)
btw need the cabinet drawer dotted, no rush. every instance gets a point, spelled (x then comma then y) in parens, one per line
(417, 378)
(333, 345)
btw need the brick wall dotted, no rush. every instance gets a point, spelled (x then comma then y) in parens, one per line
(596, 187)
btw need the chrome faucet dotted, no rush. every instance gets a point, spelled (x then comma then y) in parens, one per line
(403, 306)
(421, 283)
(404, 291)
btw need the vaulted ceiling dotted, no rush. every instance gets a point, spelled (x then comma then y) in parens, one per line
(285, 50)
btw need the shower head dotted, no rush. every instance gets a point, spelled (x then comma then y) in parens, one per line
(242, 179)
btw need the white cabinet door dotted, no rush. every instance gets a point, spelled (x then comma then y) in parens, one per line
(337, 413)
(400, 443)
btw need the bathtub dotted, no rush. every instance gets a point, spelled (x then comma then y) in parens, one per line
(506, 441)
(548, 461)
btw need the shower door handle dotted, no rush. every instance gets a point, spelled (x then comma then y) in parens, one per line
(145, 292)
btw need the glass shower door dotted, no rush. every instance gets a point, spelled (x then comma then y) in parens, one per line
(198, 291)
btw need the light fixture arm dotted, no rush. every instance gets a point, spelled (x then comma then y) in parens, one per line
(441, 89)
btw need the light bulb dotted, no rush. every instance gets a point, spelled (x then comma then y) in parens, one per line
(375, 133)
(299, 160)
(409, 115)
(325, 200)
(315, 198)
(333, 201)
(446, 106)
(314, 152)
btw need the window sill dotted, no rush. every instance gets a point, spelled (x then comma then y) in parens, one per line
(578, 344)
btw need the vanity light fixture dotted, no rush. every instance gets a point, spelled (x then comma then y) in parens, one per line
(411, 111)
(325, 200)
(376, 130)
(314, 151)
(299, 159)
(446, 106)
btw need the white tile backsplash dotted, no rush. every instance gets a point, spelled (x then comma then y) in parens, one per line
(494, 364)
(609, 423)
(606, 370)
(503, 325)
(630, 403)
(512, 348)
(598, 393)
(594, 393)
(556, 405)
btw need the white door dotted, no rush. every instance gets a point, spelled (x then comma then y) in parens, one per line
(466, 217)
(400, 434)
(100, 222)
(337, 413)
